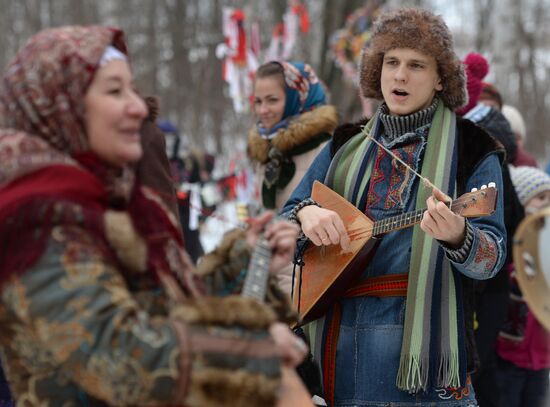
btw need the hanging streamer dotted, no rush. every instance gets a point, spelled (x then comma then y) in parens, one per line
(241, 54)
(274, 51)
(285, 34)
(347, 43)
(239, 61)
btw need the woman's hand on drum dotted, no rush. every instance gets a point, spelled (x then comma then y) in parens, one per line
(323, 227)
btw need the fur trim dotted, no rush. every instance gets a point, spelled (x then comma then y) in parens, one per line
(306, 127)
(258, 148)
(228, 311)
(129, 247)
(419, 30)
(221, 256)
(211, 387)
(280, 302)
(344, 132)
(229, 259)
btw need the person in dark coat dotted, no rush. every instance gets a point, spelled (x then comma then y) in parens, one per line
(491, 295)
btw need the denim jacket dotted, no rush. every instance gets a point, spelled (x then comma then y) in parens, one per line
(371, 329)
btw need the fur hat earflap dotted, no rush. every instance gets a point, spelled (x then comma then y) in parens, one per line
(422, 31)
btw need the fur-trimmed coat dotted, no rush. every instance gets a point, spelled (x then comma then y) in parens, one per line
(307, 128)
(99, 319)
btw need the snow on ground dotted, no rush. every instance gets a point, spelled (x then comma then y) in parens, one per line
(224, 219)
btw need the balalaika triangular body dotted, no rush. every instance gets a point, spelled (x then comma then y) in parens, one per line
(328, 271)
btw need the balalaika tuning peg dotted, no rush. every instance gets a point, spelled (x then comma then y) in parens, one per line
(483, 186)
(474, 189)
(492, 185)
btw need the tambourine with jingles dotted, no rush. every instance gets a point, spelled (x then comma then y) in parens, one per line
(532, 260)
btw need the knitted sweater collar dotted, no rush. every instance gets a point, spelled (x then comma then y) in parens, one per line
(396, 126)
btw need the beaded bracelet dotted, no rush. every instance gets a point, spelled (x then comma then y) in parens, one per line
(293, 216)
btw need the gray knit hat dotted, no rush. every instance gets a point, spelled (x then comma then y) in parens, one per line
(528, 182)
(422, 31)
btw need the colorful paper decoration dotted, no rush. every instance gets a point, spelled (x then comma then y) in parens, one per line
(347, 43)
(240, 62)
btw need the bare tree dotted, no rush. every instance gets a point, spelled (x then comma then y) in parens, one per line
(172, 45)
(482, 13)
(520, 66)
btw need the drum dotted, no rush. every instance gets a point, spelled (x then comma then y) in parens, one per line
(532, 260)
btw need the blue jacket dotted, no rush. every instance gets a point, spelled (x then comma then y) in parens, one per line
(371, 329)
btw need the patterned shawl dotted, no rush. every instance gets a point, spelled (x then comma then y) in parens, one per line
(46, 155)
(44, 86)
(42, 96)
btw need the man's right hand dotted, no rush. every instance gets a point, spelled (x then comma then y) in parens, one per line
(323, 227)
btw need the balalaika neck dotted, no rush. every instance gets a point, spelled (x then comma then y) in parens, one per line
(255, 283)
(402, 221)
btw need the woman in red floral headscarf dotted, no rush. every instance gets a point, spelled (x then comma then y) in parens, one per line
(98, 302)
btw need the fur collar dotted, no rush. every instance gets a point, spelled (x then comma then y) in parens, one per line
(474, 145)
(306, 127)
(344, 132)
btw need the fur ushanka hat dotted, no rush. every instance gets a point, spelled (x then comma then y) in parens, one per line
(422, 31)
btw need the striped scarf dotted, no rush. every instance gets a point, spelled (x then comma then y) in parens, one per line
(433, 344)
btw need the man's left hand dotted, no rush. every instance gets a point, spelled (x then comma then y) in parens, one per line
(441, 223)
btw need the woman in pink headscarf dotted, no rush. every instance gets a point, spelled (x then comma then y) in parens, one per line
(99, 304)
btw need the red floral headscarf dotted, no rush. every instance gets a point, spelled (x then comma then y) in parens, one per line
(44, 86)
(42, 104)
(45, 153)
